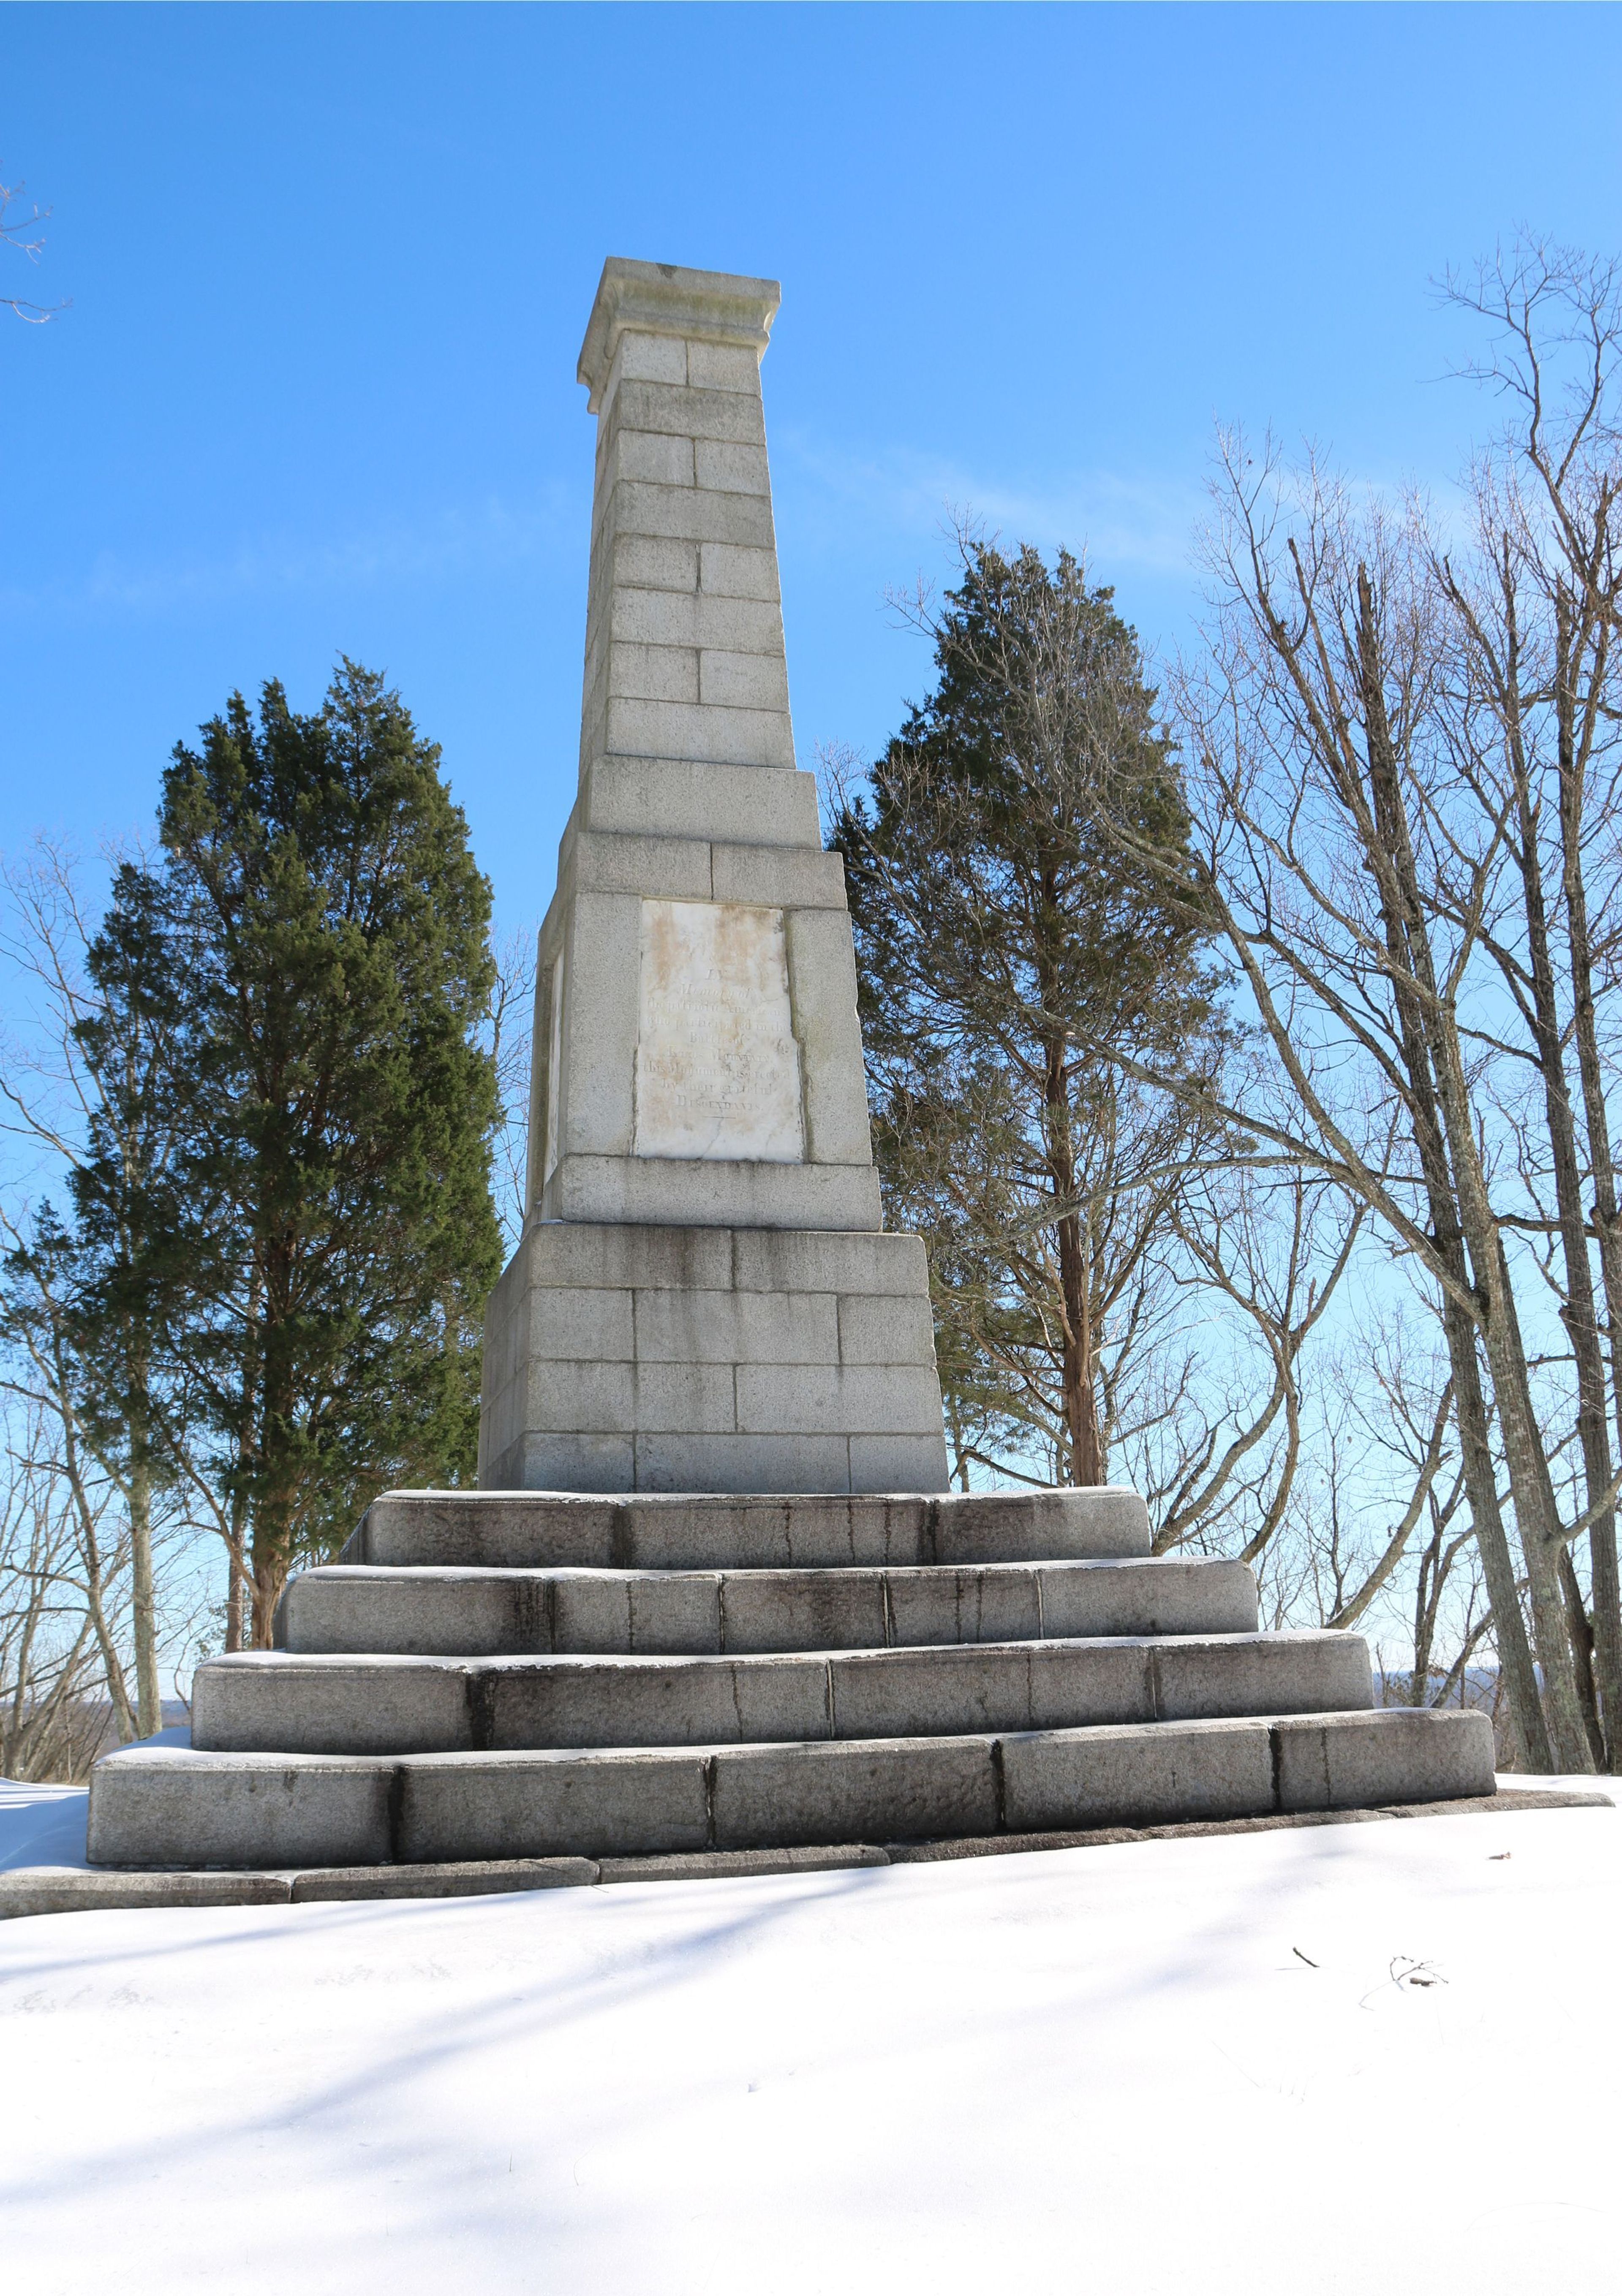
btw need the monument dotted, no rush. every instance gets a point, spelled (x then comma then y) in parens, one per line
(704, 1298)
(712, 1596)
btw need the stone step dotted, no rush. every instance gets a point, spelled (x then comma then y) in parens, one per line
(442, 1611)
(562, 1529)
(156, 1807)
(261, 1702)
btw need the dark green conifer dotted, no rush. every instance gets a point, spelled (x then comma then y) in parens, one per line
(317, 932)
(1001, 936)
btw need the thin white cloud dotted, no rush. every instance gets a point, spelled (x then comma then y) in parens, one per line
(1140, 522)
(482, 536)
(1144, 522)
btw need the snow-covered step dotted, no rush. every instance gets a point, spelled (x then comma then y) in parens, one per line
(445, 1612)
(163, 1806)
(274, 1702)
(650, 1533)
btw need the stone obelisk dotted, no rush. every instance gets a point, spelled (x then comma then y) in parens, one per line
(705, 1299)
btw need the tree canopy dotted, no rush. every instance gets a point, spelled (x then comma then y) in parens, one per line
(311, 1252)
(1001, 935)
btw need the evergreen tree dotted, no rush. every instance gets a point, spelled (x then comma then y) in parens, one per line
(325, 1236)
(1002, 941)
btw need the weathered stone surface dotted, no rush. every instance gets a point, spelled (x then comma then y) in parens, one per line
(646, 1258)
(453, 1611)
(709, 733)
(622, 1803)
(540, 1530)
(872, 1330)
(718, 1065)
(71, 1889)
(544, 1805)
(560, 1350)
(764, 1260)
(727, 1865)
(1303, 1672)
(567, 1463)
(807, 1399)
(343, 1703)
(680, 868)
(1397, 1753)
(1039, 1526)
(475, 1878)
(700, 797)
(591, 1103)
(166, 1805)
(896, 1463)
(782, 876)
(670, 1192)
(698, 1059)
(671, 1463)
(734, 1327)
(766, 1796)
(823, 969)
(1137, 1773)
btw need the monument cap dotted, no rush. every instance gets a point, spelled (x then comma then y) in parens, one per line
(667, 298)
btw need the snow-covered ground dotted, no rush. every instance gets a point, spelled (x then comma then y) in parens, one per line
(1278, 2063)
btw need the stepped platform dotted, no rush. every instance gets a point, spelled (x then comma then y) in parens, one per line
(495, 1675)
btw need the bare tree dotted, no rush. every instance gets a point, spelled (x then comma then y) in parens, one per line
(512, 1010)
(20, 232)
(56, 1095)
(50, 1719)
(1270, 1250)
(1404, 774)
(1325, 787)
(1534, 704)
(62, 1457)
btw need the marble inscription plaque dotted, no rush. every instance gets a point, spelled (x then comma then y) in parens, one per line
(718, 1070)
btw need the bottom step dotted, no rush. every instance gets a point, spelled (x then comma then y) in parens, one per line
(76, 1889)
(155, 1807)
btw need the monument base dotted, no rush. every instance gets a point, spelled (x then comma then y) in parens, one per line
(517, 1676)
(631, 1357)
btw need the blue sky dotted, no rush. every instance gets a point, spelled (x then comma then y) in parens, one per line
(329, 267)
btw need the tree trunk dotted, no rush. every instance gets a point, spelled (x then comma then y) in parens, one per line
(1526, 1727)
(239, 1579)
(274, 1493)
(144, 1604)
(1424, 1622)
(1412, 973)
(1602, 1534)
(954, 1430)
(1578, 1314)
(90, 1548)
(1581, 1630)
(1531, 1489)
(269, 1578)
(1076, 1371)
(1081, 1397)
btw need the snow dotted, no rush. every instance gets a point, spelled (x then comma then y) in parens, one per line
(1297, 2062)
(45, 1825)
(41, 1826)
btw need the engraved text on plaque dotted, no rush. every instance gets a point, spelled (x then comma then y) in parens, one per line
(718, 1070)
